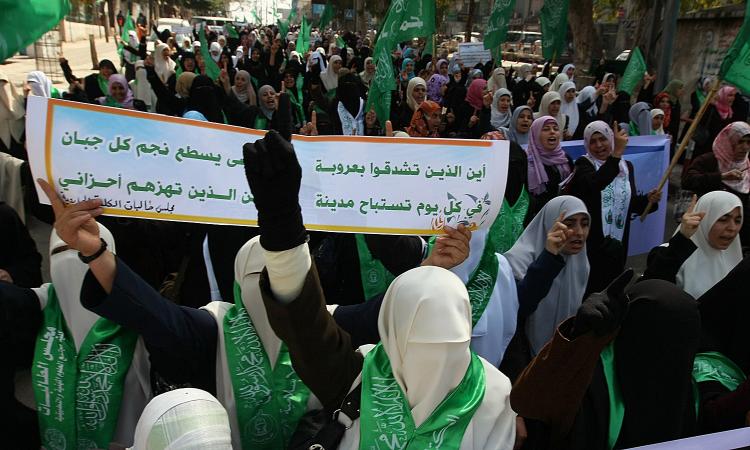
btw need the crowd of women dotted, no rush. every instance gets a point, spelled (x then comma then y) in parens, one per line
(529, 334)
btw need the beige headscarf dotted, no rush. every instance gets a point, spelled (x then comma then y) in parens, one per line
(425, 328)
(12, 112)
(185, 80)
(247, 95)
(330, 78)
(164, 67)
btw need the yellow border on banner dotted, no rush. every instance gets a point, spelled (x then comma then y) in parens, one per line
(51, 103)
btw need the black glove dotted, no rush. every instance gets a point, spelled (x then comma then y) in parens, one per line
(274, 176)
(283, 117)
(603, 312)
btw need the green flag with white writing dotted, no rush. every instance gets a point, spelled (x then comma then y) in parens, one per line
(633, 72)
(497, 27)
(127, 27)
(736, 66)
(409, 20)
(24, 21)
(554, 17)
(303, 38)
(212, 69)
(379, 96)
(327, 16)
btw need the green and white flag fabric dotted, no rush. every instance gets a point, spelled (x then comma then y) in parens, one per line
(283, 28)
(78, 394)
(24, 21)
(230, 30)
(212, 69)
(497, 27)
(257, 19)
(554, 16)
(303, 38)
(340, 42)
(736, 66)
(327, 16)
(633, 72)
(127, 27)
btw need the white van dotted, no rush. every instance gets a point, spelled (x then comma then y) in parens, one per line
(214, 23)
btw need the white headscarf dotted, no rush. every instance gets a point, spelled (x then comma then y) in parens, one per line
(414, 82)
(615, 197)
(548, 98)
(164, 67)
(141, 87)
(67, 273)
(40, 85)
(500, 119)
(566, 293)
(12, 112)
(654, 113)
(215, 47)
(497, 80)
(425, 329)
(330, 78)
(542, 81)
(707, 265)
(570, 109)
(565, 71)
(558, 81)
(184, 419)
(133, 42)
(588, 93)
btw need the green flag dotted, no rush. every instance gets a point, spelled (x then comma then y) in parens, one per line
(23, 22)
(340, 42)
(303, 38)
(633, 72)
(256, 18)
(292, 15)
(497, 27)
(409, 20)
(283, 28)
(212, 69)
(379, 96)
(554, 15)
(127, 27)
(327, 16)
(230, 30)
(736, 66)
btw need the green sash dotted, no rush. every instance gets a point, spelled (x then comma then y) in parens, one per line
(715, 366)
(55, 93)
(110, 101)
(297, 101)
(386, 421)
(269, 402)
(261, 122)
(78, 395)
(509, 223)
(375, 277)
(616, 405)
(103, 85)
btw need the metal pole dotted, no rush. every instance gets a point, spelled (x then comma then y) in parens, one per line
(669, 29)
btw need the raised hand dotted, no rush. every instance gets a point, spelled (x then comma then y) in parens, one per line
(558, 235)
(388, 128)
(314, 124)
(603, 312)
(474, 119)
(691, 219)
(654, 195)
(451, 249)
(371, 118)
(75, 224)
(621, 141)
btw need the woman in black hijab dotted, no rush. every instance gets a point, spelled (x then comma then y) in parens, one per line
(618, 374)
(204, 98)
(348, 119)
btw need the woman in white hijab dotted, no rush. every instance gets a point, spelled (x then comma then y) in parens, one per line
(215, 51)
(569, 107)
(569, 70)
(559, 230)
(657, 121)
(497, 80)
(40, 85)
(185, 419)
(551, 105)
(558, 82)
(12, 113)
(142, 88)
(330, 76)
(705, 248)
(163, 64)
(501, 109)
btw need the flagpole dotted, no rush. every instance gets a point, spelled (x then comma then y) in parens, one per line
(683, 145)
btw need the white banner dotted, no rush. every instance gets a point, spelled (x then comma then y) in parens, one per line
(473, 53)
(162, 167)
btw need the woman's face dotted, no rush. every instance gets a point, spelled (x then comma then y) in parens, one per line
(240, 83)
(165, 54)
(189, 64)
(255, 55)
(664, 103)
(419, 93)
(409, 67)
(554, 108)
(550, 136)
(570, 95)
(118, 92)
(289, 81)
(434, 120)
(523, 124)
(599, 146)
(579, 224)
(444, 69)
(105, 71)
(725, 230)
(336, 65)
(370, 67)
(224, 59)
(503, 104)
(657, 122)
(730, 98)
(269, 98)
(742, 148)
(570, 73)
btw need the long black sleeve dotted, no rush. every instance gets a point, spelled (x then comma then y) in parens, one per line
(663, 263)
(588, 180)
(538, 280)
(18, 256)
(397, 253)
(181, 341)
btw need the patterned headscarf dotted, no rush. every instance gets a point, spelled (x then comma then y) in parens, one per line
(723, 148)
(434, 86)
(419, 126)
(722, 105)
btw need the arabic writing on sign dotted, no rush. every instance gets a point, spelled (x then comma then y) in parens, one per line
(404, 169)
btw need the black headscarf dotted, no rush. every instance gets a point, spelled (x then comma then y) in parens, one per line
(107, 63)
(348, 93)
(204, 99)
(187, 55)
